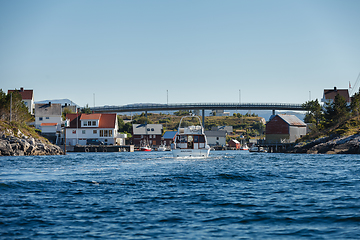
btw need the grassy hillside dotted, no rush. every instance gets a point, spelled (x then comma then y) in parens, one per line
(251, 126)
(345, 128)
(19, 129)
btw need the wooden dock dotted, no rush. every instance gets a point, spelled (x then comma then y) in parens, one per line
(100, 148)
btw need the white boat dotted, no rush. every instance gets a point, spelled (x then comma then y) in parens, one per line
(161, 148)
(244, 147)
(191, 141)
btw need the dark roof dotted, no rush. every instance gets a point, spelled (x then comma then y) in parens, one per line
(331, 94)
(25, 94)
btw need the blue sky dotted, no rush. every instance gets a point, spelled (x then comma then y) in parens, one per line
(124, 52)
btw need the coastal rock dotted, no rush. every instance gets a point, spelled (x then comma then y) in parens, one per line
(329, 145)
(24, 146)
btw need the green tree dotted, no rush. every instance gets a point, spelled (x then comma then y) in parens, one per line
(19, 111)
(86, 109)
(355, 104)
(65, 111)
(336, 111)
(314, 112)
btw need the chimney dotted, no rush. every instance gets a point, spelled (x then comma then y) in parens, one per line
(49, 104)
(21, 89)
(335, 89)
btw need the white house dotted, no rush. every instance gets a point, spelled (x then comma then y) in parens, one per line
(48, 117)
(27, 97)
(100, 126)
(216, 138)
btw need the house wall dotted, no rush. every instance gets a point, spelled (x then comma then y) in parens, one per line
(48, 129)
(277, 138)
(216, 141)
(72, 134)
(296, 133)
(48, 119)
(154, 140)
(30, 105)
(277, 126)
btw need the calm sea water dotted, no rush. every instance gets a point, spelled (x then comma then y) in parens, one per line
(230, 195)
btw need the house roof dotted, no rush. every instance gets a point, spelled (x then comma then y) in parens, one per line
(48, 109)
(169, 134)
(106, 120)
(147, 129)
(25, 94)
(292, 120)
(95, 116)
(215, 133)
(48, 124)
(330, 94)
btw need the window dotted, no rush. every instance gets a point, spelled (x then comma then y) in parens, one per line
(83, 131)
(94, 131)
(94, 123)
(74, 131)
(106, 132)
(85, 123)
(47, 117)
(110, 133)
(148, 129)
(40, 118)
(101, 133)
(152, 129)
(89, 123)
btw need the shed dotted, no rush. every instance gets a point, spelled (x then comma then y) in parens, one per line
(234, 143)
(169, 137)
(284, 128)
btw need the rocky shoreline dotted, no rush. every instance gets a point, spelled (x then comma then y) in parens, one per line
(329, 145)
(10, 145)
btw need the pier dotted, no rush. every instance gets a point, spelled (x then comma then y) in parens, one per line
(99, 148)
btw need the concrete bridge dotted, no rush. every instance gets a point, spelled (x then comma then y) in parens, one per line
(145, 107)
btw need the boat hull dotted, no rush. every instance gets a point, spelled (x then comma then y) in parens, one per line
(191, 153)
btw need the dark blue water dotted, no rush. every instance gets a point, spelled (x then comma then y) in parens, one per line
(231, 195)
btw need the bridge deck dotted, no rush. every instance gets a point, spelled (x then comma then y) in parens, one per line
(200, 106)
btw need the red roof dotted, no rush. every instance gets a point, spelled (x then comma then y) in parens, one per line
(106, 120)
(49, 124)
(25, 94)
(95, 116)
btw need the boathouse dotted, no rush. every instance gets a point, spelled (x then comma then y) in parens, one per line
(284, 128)
(169, 137)
(150, 134)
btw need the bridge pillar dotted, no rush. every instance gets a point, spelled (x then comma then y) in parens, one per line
(273, 112)
(203, 118)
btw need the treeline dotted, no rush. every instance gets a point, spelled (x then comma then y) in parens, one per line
(331, 113)
(19, 112)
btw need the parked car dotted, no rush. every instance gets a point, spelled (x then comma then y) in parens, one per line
(94, 142)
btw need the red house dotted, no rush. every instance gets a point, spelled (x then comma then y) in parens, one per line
(284, 128)
(234, 143)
